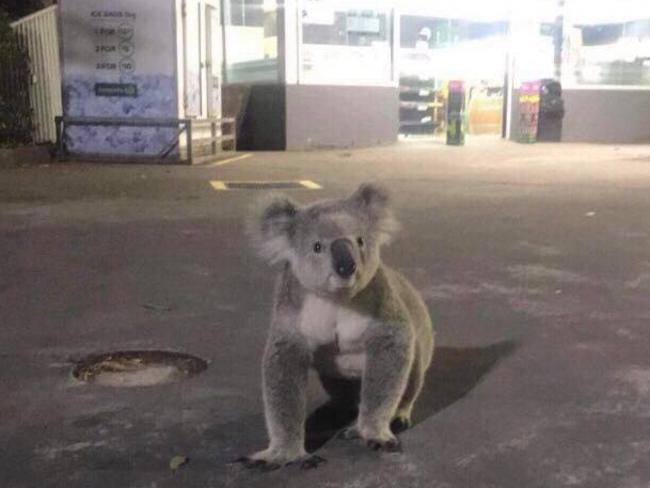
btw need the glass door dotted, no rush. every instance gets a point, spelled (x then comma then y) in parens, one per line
(214, 60)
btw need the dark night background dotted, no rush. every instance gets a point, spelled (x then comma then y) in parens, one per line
(19, 8)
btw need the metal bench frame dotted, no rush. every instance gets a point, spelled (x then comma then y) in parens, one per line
(218, 136)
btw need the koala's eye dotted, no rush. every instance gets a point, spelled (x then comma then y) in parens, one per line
(360, 241)
(318, 247)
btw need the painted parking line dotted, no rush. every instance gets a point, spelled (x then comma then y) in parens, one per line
(221, 185)
(225, 161)
(310, 184)
(218, 185)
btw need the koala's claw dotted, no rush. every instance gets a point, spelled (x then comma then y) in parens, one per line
(392, 445)
(308, 462)
(260, 464)
(312, 462)
(400, 424)
(389, 445)
(266, 466)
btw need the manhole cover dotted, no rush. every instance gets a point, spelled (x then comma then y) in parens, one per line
(137, 368)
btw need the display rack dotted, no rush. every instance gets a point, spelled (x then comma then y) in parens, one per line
(419, 106)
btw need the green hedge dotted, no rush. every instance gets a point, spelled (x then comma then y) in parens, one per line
(15, 77)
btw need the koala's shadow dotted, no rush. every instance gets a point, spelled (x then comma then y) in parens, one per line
(454, 372)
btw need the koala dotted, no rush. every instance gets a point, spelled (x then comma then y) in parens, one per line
(340, 310)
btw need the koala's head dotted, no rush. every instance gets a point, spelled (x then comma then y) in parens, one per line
(332, 246)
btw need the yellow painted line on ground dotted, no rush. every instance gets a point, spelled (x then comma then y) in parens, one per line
(221, 185)
(311, 185)
(218, 185)
(226, 161)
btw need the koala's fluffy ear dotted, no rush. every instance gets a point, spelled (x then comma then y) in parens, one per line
(373, 201)
(272, 226)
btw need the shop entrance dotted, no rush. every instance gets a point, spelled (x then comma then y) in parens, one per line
(203, 58)
(436, 50)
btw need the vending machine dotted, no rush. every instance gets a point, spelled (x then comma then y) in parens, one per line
(528, 111)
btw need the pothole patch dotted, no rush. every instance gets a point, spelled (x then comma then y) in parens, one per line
(138, 368)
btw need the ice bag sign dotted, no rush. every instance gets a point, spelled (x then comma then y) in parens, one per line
(119, 61)
(114, 31)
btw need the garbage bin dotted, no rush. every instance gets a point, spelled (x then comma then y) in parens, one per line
(551, 111)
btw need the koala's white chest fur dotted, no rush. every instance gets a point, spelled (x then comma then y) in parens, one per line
(325, 323)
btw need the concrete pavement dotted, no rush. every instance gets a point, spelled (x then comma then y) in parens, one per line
(534, 261)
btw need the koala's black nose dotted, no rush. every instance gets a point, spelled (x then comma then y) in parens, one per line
(342, 258)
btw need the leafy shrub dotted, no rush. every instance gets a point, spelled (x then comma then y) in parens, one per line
(15, 77)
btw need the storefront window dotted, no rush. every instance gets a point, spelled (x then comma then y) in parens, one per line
(436, 49)
(607, 44)
(345, 42)
(533, 49)
(251, 40)
(451, 48)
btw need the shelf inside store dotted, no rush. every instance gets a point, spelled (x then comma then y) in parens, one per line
(419, 105)
(422, 92)
(421, 121)
(418, 128)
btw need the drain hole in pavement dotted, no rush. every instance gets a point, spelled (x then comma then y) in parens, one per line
(138, 368)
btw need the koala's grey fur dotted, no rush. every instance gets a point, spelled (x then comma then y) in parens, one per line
(340, 310)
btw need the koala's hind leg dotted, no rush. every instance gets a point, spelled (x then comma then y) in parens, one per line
(388, 362)
(285, 366)
(402, 419)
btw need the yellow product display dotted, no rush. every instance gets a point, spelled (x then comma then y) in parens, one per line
(485, 115)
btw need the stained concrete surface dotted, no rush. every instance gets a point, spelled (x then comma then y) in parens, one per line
(534, 262)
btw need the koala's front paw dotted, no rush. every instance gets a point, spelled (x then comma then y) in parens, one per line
(375, 439)
(312, 462)
(391, 445)
(400, 424)
(272, 459)
(252, 462)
